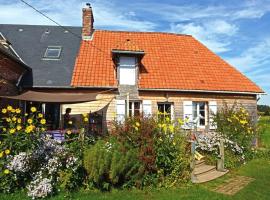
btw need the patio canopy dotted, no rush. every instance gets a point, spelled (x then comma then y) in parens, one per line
(55, 97)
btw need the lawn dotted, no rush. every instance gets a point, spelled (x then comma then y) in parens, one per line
(265, 136)
(257, 190)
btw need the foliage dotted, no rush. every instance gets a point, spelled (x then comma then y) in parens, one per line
(19, 133)
(109, 164)
(140, 152)
(238, 130)
(236, 124)
(264, 110)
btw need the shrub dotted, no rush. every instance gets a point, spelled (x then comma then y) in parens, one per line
(109, 164)
(237, 128)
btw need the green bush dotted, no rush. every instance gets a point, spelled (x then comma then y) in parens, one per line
(109, 164)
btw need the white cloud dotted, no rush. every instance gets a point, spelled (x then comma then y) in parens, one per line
(106, 14)
(213, 33)
(254, 57)
(239, 10)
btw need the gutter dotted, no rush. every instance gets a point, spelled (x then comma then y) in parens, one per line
(203, 91)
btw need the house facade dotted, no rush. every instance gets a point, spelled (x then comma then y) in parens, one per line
(131, 73)
(12, 70)
(153, 72)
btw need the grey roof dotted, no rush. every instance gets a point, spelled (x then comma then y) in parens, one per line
(31, 42)
(5, 48)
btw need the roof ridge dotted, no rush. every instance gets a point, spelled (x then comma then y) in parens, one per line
(144, 32)
(40, 25)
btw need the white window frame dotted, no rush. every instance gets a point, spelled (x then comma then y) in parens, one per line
(132, 108)
(126, 64)
(198, 113)
(171, 108)
(46, 56)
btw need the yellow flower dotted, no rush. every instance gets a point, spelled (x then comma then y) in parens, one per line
(137, 124)
(69, 122)
(174, 143)
(18, 110)
(171, 127)
(26, 114)
(30, 121)
(43, 121)
(180, 121)
(7, 151)
(4, 110)
(4, 129)
(9, 108)
(33, 109)
(43, 129)
(167, 119)
(19, 121)
(1, 154)
(19, 127)
(85, 119)
(8, 119)
(14, 119)
(40, 115)
(68, 132)
(6, 171)
(136, 128)
(84, 115)
(11, 131)
(13, 110)
(29, 129)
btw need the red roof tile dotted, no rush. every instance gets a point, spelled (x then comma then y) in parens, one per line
(171, 61)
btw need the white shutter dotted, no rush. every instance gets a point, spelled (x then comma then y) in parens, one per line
(120, 110)
(172, 112)
(212, 112)
(147, 108)
(187, 117)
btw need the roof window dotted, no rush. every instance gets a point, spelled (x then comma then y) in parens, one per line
(53, 52)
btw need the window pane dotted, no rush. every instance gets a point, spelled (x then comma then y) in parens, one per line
(127, 61)
(161, 108)
(53, 52)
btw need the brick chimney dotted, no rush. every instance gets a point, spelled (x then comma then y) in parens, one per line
(87, 22)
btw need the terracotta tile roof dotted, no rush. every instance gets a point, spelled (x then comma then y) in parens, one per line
(171, 61)
(127, 45)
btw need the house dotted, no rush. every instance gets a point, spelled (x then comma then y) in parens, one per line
(153, 71)
(129, 73)
(12, 70)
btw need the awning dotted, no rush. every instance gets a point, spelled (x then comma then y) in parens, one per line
(88, 107)
(55, 97)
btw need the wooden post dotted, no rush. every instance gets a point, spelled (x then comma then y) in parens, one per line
(127, 106)
(192, 162)
(220, 163)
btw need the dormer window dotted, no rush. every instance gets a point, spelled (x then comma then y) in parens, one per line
(53, 52)
(127, 70)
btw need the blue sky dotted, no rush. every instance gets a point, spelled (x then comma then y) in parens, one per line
(237, 30)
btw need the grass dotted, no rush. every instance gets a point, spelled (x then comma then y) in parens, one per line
(265, 136)
(257, 190)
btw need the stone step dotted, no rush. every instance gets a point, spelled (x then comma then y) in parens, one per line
(202, 169)
(199, 162)
(209, 176)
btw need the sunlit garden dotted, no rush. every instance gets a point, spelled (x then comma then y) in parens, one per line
(140, 158)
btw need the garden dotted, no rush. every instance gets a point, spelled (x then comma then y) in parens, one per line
(140, 158)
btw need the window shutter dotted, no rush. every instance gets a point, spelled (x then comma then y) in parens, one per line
(212, 112)
(172, 112)
(147, 108)
(120, 110)
(187, 108)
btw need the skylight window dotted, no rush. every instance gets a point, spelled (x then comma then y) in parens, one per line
(53, 52)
